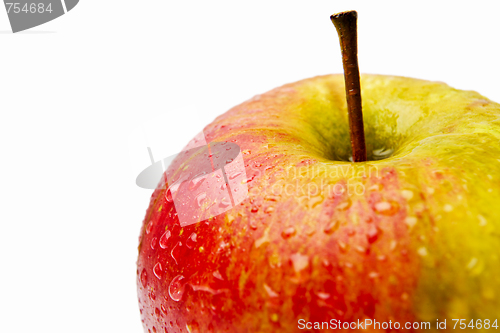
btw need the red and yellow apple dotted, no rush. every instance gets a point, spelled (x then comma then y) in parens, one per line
(411, 235)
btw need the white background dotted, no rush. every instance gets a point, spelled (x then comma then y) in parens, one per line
(83, 96)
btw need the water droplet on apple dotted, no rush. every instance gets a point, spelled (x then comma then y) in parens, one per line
(197, 181)
(448, 208)
(269, 167)
(164, 239)
(217, 275)
(253, 225)
(315, 200)
(361, 249)
(269, 210)
(254, 209)
(348, 264)
(386, 207)
(191, 241)
(229, 161)
(331, 227)
(381, 153)
(152, 295)
(309, 230)
(158, 270)
(271, 293)
(234, 175)
(223, 245)
(342, 246)
(163, 309)
(224, 203)
(248, 180)
(344, 205)
(176, 288)
(149, 227)
(200, 198)
(299, 261)
(144, 278)
(262, 240)
(193, 327)
(372, 234)
(472, 263)
(271, 198)
(323, 296)
(411, 221)
(174, 186)
(376, 187)
(482, 221)
(407, 194)
(422, 251)
(288, 232)
(175, 252)
(168, 195)
(153, 243)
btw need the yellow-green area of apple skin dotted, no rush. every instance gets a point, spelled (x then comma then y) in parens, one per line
(433, 129)
(419, 243)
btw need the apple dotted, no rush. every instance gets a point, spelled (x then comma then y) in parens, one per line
(410, 235)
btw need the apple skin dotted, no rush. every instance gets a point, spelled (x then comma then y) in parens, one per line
(420, 242)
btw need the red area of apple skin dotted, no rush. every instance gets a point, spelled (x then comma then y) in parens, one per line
(347, 276)
(244, 275)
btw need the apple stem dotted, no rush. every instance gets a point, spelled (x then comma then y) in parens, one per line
(345, 23)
